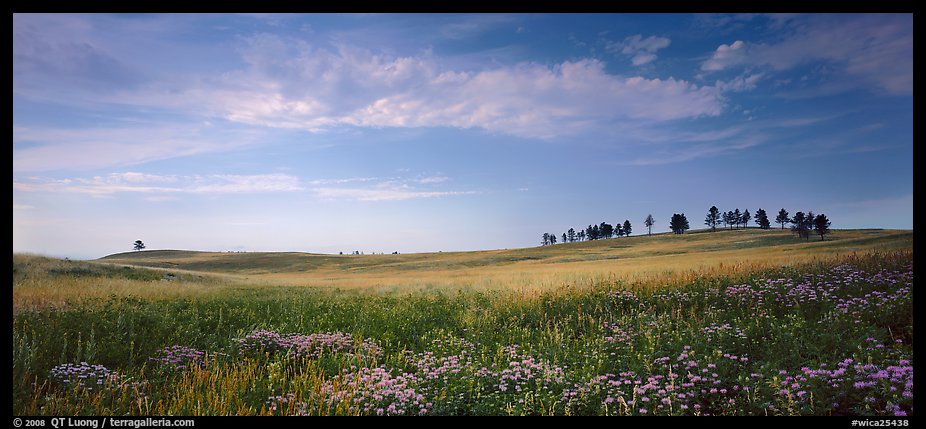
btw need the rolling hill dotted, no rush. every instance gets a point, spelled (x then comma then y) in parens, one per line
(627, 258)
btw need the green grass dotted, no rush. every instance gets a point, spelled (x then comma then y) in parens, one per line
(559, 350)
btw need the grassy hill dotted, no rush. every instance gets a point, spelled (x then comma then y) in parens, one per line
(571, 329)
(629, 258)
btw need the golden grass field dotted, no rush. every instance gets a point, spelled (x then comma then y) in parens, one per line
(658, 259)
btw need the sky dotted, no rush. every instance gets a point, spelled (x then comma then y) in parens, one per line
(377, 133)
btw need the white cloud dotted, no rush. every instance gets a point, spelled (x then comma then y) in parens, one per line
(433, 179)
(132, 182)
(386, 193)
(290, 84)
(641, 50)
(874, 49)
(740, 83)
(726, 56)
(159, 188)
(47, 149)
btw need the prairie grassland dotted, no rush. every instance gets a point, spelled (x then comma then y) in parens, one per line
(782, 327)
(634, 259)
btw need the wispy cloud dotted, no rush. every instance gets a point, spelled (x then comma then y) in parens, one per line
(383, 193)
(640, 50)
(289, 84)
(433, 179)
(132, 182)
(874, 49)
(159, 188)
(741, 83)
(39, 149)
(699, 150)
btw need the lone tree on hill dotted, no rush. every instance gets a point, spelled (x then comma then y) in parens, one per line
(782, 218)
(713, 218)
(821, 225)
(138, 245)
(762, 219)
(627, 227)
(679, 223)
(649, 222)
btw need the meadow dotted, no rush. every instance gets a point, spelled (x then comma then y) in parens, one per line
(743, 322)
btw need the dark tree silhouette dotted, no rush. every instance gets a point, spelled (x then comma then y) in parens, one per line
(619, 230)
(782, 218)
(649, 222)
(581, 235)
(679, 223)
(821, 225)
(799, 225)
(571, 235)
(737, 218)
(546, 238)
(605, 230)
(627, 227)
(596, 233)
(808, 224)
(138, 245)
(552, 238)
(727, 218)
(565, 238)
(762, 219)
(745, 218)
(713, 218)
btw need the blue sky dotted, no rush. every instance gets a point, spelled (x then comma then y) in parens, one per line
(380, 133)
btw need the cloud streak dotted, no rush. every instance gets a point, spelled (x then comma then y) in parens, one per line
(160, 188)
(640, 50)
(874, 49)
(133, 182)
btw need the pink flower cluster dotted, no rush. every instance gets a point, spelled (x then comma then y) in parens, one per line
(88, 376)
(287, 405)
(885, 390)
(375, 391)
(179, 357)
(307, 346)
(679, 385)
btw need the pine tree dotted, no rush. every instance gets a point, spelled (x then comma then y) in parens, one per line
(649, 222)
(782, 218)
(679, 223)
(762, 219)
(799, 224)
(627, 227)
(821, 225)
(713, 218)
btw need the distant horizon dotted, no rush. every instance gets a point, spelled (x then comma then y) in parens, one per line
(419, 133)
(693, 230)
